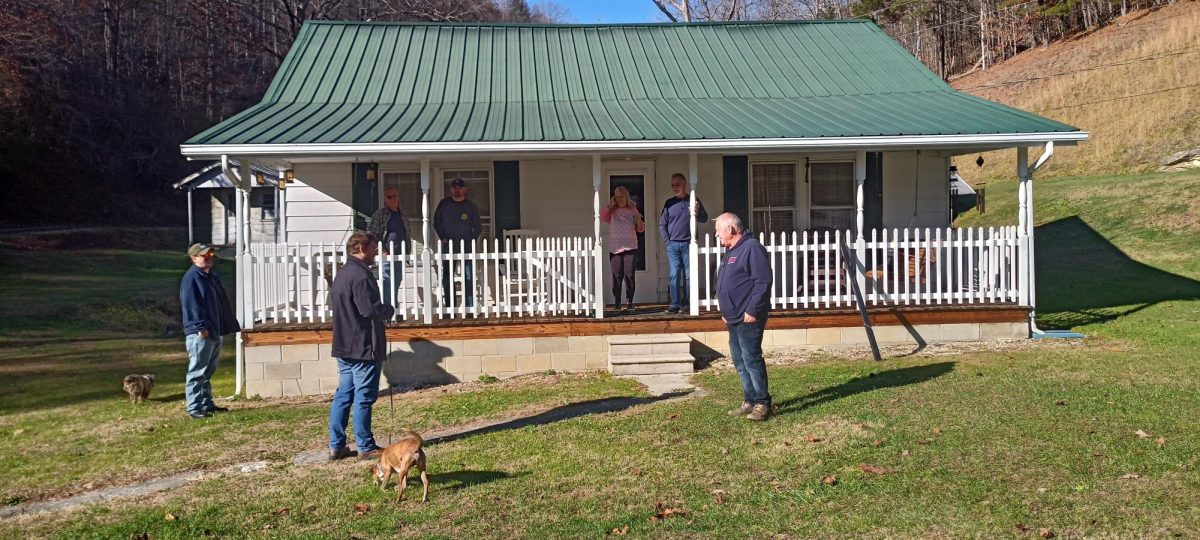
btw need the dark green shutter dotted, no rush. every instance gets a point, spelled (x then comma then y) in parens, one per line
(365, 194)
(508, 196)
(737, 186)
(873, 193)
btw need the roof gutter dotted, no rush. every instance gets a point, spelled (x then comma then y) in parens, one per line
(878, 143)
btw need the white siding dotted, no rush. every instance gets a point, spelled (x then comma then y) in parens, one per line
(224, 223)
(319, 204)
(908, 184)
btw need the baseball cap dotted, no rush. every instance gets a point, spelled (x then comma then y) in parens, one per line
(200, 249)
(458, 182)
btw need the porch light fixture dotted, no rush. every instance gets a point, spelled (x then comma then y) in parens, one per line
(260, 179)
(288, 176)
(371, 172)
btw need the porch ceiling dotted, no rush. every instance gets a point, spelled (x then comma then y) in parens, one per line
(389, 88)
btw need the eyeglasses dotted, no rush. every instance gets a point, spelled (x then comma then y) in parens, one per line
(208, 255)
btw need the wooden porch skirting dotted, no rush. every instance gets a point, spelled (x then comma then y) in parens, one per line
(649, 320)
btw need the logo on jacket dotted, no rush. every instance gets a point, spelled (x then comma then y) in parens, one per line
(732, 260)
(463, 217)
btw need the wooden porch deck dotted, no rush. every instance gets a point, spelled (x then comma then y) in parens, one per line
(648, 319)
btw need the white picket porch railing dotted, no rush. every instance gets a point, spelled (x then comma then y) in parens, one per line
(487, 278)
(900, 267)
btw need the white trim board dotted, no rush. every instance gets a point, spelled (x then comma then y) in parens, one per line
(367, 150)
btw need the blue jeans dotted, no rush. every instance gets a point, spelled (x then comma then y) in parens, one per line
(203, 354)
(358, 383)
(468, 270)
(745, 349)
(677, 272)
(389, 289)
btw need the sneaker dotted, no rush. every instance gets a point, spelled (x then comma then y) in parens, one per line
(673, 309)
(629, 307)
(743, 410)
(759, 412)
(370, 453)
(341, 453)
(199, 416)
(217, 409)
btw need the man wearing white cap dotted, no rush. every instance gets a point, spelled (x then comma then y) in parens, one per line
(207, 315)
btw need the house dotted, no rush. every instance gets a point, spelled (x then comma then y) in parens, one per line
(214, 222)
(828, 138)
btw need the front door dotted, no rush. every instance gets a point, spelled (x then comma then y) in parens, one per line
(639, 180)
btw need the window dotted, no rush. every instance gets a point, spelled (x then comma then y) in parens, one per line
(409, 186)
(831, 190)
(773, 197)
(266, 201)
(479, 191)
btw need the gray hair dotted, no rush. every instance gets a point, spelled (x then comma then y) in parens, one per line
(734, 221)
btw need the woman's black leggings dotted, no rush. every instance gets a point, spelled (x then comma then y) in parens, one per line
(622, 272)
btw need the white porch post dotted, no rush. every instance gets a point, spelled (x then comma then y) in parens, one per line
(597, 176)
(1023, 227)
(426, 252)
(281, 200)
(245, 264)
(693, 252)
(860, 241)
(191, 234)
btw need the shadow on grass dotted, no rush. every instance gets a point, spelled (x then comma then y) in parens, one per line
(858, 385)
(557, 414)
(464, 479)
(1083, 279)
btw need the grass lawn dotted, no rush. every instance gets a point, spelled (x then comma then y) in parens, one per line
(1003, 443)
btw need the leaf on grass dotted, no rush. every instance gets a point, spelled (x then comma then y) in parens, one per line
(140, 536)
(361, 509)
(1060, 402)
(672, 416)
(662, 512)
(719, 495)
(1042, 490)
(813, 439)
(904, 453)
(724, 451)
(1160, 441)
(1097, 454)
(829, 480)
(937, 431)
(636, 471)
(1021, 528)
(876, 443)
(925, 441)
(170, 517)
(1045, 533)
(873, 469)
(1142, 434)
(620, 532)
(281, 511)
(18, 432)
(1130, 476)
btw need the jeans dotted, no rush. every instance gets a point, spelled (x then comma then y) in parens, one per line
(389, 289)
(468, 290)
(745, 349)
(203, 354)
(358, 383)
(677, 272)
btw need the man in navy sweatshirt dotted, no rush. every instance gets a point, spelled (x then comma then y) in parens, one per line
(743, 289)
(675, 226)
(207, 315)
(458, 224)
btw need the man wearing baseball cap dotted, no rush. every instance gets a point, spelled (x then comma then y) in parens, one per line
(207, 315)
(457, 224)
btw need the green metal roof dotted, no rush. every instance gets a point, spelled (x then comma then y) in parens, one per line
(355, 83)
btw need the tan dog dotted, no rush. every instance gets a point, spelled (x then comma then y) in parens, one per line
(399, 458)
(138, 387)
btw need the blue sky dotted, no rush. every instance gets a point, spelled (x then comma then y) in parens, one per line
(610, 11)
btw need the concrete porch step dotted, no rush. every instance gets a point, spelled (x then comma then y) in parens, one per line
(652, 369)
(650, 354)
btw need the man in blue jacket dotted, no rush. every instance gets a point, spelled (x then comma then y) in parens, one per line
(676, 228)
(207, 315)
(359, 345)
(743, 289)
(458, 225)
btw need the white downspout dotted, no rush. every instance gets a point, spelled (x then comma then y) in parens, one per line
(1046, 155)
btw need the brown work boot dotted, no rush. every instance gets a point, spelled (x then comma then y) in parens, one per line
(759, 412)
(744, 409)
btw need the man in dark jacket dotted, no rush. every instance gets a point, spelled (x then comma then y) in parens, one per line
(207, 315)
(743, 288)
(675, 226)
(359, 346)
(458, 224)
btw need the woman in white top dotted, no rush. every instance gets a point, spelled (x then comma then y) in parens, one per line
(625, 223)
